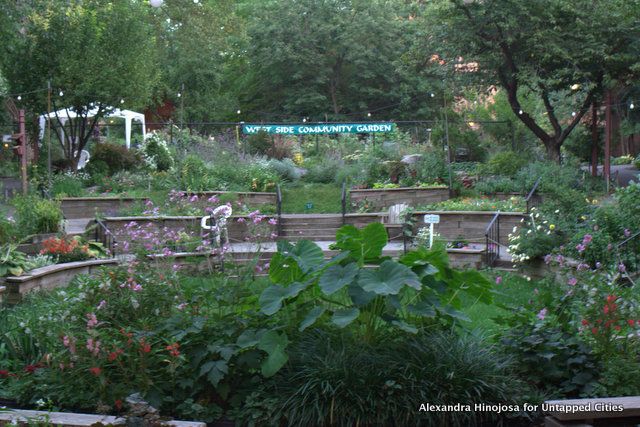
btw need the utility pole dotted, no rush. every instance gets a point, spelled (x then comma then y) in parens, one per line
(446, 137)
(49, 134)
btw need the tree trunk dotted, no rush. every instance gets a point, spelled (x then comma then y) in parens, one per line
(553, 150)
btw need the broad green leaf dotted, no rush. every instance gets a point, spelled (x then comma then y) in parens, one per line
(342, 318)
(311, 318)
(405, 326)
(423, 308)
(359, 296)
(452, 312)
(307, 254)
(284, 270)
(477, 285)
(336, 277)
(215, 370)
(365, 244)
(388, 279)
(274, 344)
(271, 298)
(418, 261)
(249, 338)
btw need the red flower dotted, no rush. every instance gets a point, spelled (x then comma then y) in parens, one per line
(617, 327)
(118, 404)
(173, 349)
(114, 355)
(31, 368)
(631, 322)
(144, 346)
(95, 371)
(594, 331)
(4, 373)
(585, 322)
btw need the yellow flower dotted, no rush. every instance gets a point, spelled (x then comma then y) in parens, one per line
(584, 218)
(552, 227)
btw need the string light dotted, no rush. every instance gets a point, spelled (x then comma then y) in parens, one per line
(573, 114)
(61, 93)
(433, 94)
(238, 112)
(631, 106)
(19, 98)
(368, 114)
(179, 94)
(520, 112)
(304, 120)
(122, 101)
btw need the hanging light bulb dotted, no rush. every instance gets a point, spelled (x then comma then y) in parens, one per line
(179, 94)
(520, 112)
(433, 94)
(573, 114)
(631, 106)
(304, 120)
(19, 98)
(122, 101)
(61, 93)
(368, 114)
(238, 112)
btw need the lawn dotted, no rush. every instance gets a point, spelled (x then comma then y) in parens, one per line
(324, 198)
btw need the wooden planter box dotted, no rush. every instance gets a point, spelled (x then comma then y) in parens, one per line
(466, 258)
(49, 277)
(88, 207)
(470, 225)
(386, 197)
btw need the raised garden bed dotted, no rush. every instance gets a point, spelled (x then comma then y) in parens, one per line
(88, 207)
(383, 198)
(469, 225)
(34, 245)
(49, 277)
(244, 197)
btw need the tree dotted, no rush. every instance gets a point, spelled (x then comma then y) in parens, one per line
(94, 54)
(339, 58)
(563, 53)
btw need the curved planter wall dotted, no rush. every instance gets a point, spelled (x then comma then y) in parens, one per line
(49, 277)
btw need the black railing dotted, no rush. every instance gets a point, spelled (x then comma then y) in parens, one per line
(279, 210)
(343, 200)
(104, 236)
(533, 199)
(492, 241)
(633, 252)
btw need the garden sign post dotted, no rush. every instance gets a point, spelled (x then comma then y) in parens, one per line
(431, 219)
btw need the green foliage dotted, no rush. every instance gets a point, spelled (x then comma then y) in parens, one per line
(352, 382)
(325, 171)
(497, 184)
(110, 158)
(259, 143)
(156, 153)
(285, 168)
(48, 41)
(67, 185)
(12, 262)
(37, 216)
(418, 290)
(513, 204)
(506, 163)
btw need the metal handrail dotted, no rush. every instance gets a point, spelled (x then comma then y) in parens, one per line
(492, 240)
(105, 236)
(529, 199)
(279, 210)
(343, 200)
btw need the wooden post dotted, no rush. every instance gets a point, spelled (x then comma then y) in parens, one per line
(22, 137)
(594, 138)
(606, 172)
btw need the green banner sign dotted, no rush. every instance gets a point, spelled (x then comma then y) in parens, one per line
(319, 128)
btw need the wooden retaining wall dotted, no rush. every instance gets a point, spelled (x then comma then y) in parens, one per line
(88, 207)
(49, 277)
(386, 197)
(470, 225)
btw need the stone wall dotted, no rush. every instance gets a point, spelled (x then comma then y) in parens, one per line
(387, 197)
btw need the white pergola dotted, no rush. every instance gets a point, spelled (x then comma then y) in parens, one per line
(127, 115)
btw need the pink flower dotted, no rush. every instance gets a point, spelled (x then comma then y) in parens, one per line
(273, 221)
(587, 239)
(102, 304)
(547, 258)
(542, 314)
(622, 268)
(572, 281)
(580, 247)
(92, 321)
(627, 232)
(498, 280)
(241, 220)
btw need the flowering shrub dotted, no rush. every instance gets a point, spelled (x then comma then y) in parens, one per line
(156, 152)
(65, 249)
(534, 238)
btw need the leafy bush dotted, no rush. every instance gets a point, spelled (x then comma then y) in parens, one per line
(259, 143)
(325, 171)
(37, 216)
(622, 160)
(115, 156)
(383, 383)
(497, 184)
(194, 174)
(67, 185)
(286, 168)
(506, 163)
(513, 204)
(12, 261)
(156, 153)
